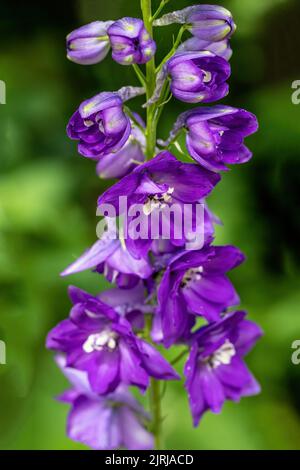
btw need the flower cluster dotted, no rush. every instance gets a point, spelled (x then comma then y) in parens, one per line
(171, 285)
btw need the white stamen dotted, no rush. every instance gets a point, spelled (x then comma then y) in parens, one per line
(223, 355)
(97, 341)
(207, 76)
(88, 122)
(157, 201)
(192, 274)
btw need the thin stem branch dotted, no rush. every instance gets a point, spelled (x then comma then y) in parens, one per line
(162, 5)
(174, 48)
(133, 118)
(139, 75)
(179, 357)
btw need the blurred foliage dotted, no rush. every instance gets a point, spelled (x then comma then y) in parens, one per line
(47, 217)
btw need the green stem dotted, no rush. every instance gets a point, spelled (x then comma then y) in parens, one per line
(160, 8)
(179, 357)
(155, 403)
(139, 74)
(151, 128)
(174, 48)
(150, 84)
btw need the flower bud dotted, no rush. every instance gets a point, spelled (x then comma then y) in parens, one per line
(198, 76)
(215, 136)
(89, 44)
(100, 125)
(209, 22)
(130, 41)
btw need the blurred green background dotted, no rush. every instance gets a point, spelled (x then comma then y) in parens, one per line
(47, 216)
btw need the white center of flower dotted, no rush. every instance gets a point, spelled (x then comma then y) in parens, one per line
(206, 77)
(222, 356)
(157, 201)
(192, 274)
(88, 123)
(98, 341)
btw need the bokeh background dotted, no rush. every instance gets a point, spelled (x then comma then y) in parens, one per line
(47, 216)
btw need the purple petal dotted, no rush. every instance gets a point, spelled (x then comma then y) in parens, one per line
(134, 435)
(155, 364)
(94, 425)
(99, 252)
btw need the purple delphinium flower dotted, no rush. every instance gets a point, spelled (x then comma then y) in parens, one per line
(195, 282)
(220, 48)
(130, 41)
(100, 341)
(100, 125)
(208, 22)
(122, 162)
(216, 136)
(215, 370)
(103, 423)
(154, 187)
(89, 44)
(198, 76)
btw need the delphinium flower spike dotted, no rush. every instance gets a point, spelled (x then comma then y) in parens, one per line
(156, 244)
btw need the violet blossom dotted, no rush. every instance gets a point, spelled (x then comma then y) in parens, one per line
(89, 44)
(103, 422)
(130, 41)
(195, 282)
(208, 22)
(198, 76)
(98, 340)
(215, 370)
(100, 125)
(154, 186)
(215, 136)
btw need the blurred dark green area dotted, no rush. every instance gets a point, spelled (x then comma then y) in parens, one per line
(47, 216)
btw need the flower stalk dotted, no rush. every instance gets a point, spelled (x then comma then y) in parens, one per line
(146, 7)
(151, 130)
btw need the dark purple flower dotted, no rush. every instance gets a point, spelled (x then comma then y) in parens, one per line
(198, 76)
(122, 162)
(195, 282)
(104, 423)
(109, 257)
(215, 370)
(130, 41)
(100, 125)
(89, 44)
(208, 22)
(216, 136)
(98, 340)
(220, 48)
(154, 190)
